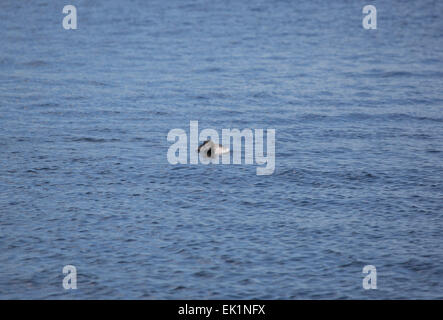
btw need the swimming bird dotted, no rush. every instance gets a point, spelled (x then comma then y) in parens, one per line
(210, 149)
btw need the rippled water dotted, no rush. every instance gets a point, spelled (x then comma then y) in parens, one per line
(84, 178)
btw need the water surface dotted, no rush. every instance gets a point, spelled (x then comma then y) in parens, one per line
(84, 178)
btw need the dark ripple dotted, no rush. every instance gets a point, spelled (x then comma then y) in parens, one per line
(36, 63)
(92, 139)
(367, 117)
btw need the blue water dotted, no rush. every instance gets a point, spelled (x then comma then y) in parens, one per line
(84, 177)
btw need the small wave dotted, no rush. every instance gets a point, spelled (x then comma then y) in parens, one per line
(203, 274)
(201, 97)
(433, 151)
(417, 265)
(261, 95)
(209, 70)
(357, 116)
(95, 140)
(45, 169)
(36, 63)
(313, 117)
(45, 105)
(360, 176)
(99, 83)
(396, 74)
(376, 73)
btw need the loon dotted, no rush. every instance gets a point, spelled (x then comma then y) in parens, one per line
(210, 149)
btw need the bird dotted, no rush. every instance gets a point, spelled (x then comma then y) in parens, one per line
(210, 150)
